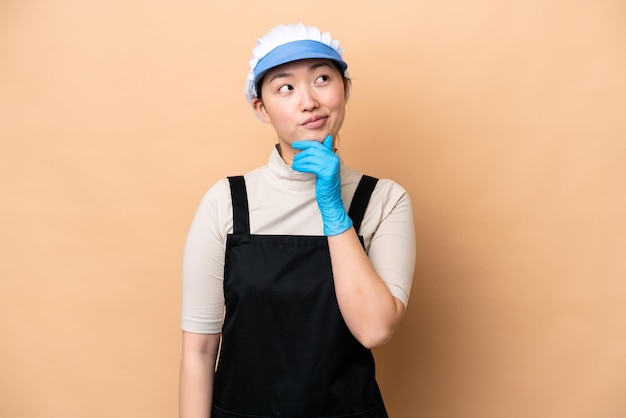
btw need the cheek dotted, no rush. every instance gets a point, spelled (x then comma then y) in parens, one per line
(281, 119)
(280, 116)
(338, 105)
(276, 111)
(337, 99)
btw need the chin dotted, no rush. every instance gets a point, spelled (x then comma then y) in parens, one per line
(314, 137)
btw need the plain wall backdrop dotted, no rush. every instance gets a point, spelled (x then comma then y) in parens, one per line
(503, 119)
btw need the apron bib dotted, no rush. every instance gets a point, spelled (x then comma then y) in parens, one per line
(286, 350)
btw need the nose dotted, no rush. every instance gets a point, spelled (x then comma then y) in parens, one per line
(308, 100)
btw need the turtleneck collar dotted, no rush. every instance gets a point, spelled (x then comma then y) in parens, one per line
(288, 177)
(284, 172)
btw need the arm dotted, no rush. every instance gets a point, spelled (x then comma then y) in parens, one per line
(199, 354)
(367, 306)
(202, 303)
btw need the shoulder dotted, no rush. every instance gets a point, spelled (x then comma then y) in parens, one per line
(217, 199)
(214, 210)
(392, 201)
(220, 190)
(216, 193)
(390, 190)
(387, 192)
(351, 177)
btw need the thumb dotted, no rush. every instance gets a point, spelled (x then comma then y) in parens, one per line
(328, 142)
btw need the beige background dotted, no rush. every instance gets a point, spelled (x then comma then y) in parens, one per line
(503, 119)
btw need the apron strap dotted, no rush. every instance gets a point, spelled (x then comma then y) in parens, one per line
(239, 196)
(360, 200)
(241, 217)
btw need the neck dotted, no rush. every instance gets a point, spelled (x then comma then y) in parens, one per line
(286, 153)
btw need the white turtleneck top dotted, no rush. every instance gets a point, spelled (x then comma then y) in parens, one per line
(282, 202)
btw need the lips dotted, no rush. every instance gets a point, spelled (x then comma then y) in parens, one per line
(314, 122)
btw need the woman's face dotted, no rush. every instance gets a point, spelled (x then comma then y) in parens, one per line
(303, 100)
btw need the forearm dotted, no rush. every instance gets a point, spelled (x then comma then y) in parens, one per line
(368, 307)
(196, 375)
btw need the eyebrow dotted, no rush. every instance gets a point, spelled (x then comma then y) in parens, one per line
(312, 67)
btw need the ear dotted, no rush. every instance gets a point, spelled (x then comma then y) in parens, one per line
(259, 109)
(347, 85)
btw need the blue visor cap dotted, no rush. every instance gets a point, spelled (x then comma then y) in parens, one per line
(294, 51)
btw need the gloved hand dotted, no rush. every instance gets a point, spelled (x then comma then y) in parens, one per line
(319, 159)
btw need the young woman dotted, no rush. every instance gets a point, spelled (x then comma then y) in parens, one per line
(297, 268)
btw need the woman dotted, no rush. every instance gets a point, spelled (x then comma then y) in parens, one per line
(308, 287)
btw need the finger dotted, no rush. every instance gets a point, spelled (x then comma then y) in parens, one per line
(306, 166)
(311, 159)
(320, 162)
(306, 144)
(317, 154)
(305, 160)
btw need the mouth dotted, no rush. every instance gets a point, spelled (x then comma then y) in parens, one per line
(314, 122)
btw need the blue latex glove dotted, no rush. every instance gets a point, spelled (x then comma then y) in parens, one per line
(319, 159)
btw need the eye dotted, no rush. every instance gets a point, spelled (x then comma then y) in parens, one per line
(322, 79)
(285, 88)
